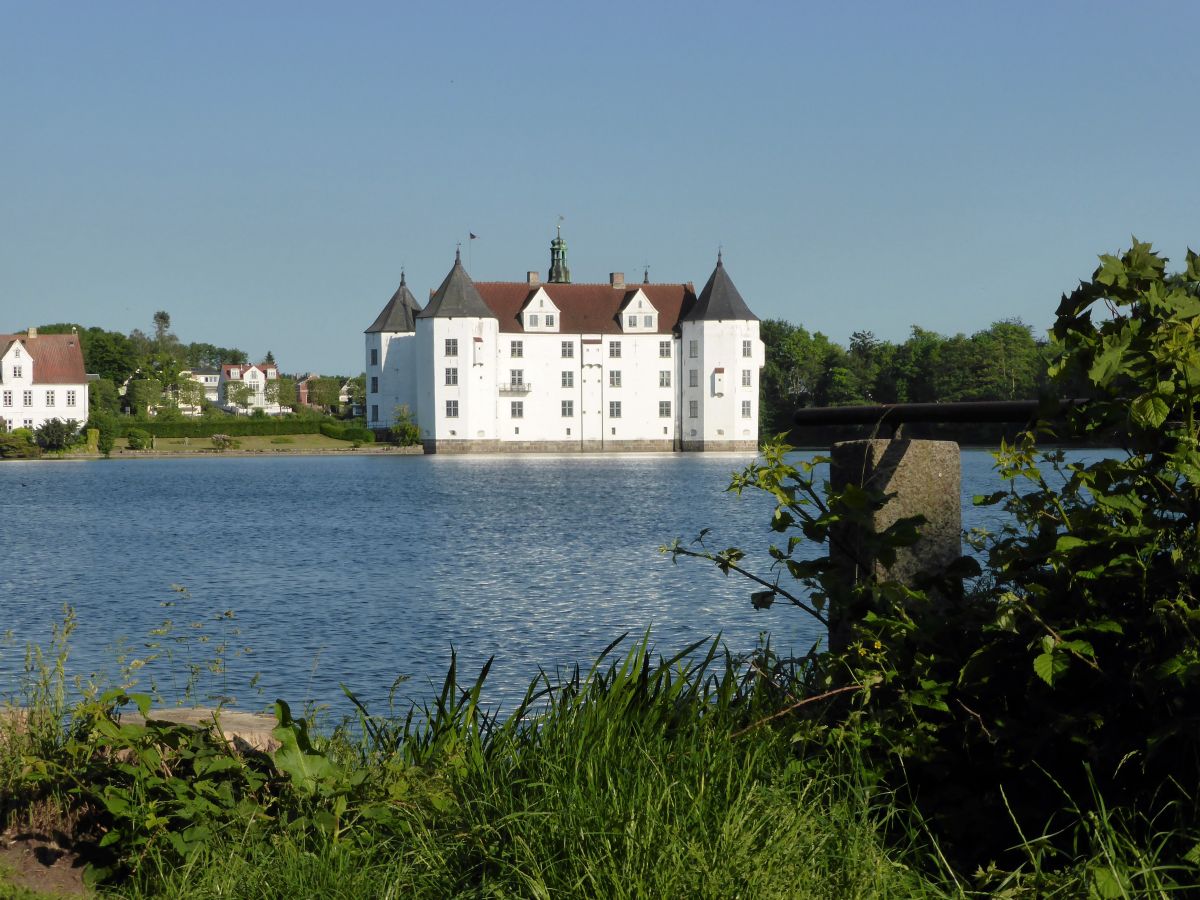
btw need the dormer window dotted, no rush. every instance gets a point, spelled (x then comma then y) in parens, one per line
(549, 320)
(533, 320)
(235, 373)
(633, 321)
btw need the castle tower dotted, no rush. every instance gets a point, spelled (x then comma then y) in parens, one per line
(560, 273)
(722, 356)
(391, 359)
(457, 339)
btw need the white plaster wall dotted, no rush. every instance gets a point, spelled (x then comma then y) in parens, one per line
(476, 389)
(721, 345)
(397, 374)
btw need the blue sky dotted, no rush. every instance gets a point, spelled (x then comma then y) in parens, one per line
(262, 171)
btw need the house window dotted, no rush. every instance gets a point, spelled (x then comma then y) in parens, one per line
(647, 321)
(533, 320)
(746, 378)
(746, 409)
(747, 349)
(374, 384)
(568, 379)
(452, 346)
(452, 376)
(27, 398)
(451, 409)
(235, 373)
(664, 378)
(516, 349)
(49, 398)
(568, 408)
(614, 350)
(693, 349)
(374, 412)
(374, 357)
(16, 371)
(664, 409)
(549, 320)
(516, 378)
(693, 378)
(568, 350)
(17, 353)
(664, 349)
(614, 409)
(70, 398)
(633, 321)
(517, 409)
(614, 378)
(8, 398)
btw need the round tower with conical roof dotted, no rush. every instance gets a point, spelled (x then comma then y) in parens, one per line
(391, 359)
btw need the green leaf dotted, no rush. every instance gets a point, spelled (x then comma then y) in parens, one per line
(1049, 666)
(1149, 410)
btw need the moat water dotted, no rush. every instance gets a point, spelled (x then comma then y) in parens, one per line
(313, 572)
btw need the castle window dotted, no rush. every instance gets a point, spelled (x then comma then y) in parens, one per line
(451, 409)
(452, 346)
(693, 378)
(452, 376)
(664, 378)
(746, 409)
(633, 321)
(647, 321)
(568, 379)
(614, 409)
(568, 350)
(516, 349)
(664, 409)
(16, 371)
(533, 321)
(614, 378)
(693, 409)
(374, 384)
(746, 378)
(516, 378)
(549, 320)
(27, 398)
(8, 398)
(614, 350)
(374, 412)
(568, 408)
(517, 409)
(374, 357)
(693, 349)
(747, 349)
(664, 349)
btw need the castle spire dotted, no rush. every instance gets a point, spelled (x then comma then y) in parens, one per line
(559, 272)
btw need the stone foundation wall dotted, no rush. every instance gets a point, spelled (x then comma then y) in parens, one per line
(720, 446)
(433, 445)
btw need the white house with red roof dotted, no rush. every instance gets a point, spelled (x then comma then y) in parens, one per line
(244, 388)
(42, 378)
(556, 366)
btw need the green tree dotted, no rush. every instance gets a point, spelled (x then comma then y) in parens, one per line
(239, 395)
(103, 397)
(325, 392)
(143, 395)
(281, 391)
(55, 434)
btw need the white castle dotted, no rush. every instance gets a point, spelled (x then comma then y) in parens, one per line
(554, 366)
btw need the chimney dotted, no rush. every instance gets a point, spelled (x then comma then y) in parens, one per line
(617, 280)
(534, 278)
(33, 332)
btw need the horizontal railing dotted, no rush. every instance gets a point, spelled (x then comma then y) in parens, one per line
(894, 415)
(515, 387)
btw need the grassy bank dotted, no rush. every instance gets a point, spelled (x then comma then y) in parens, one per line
(643, 777)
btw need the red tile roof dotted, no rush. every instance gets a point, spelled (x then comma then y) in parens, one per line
(586, 308)
(57, 358)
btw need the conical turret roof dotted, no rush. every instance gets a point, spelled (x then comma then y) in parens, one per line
(457, 297)
(400, 312)
(719, 300)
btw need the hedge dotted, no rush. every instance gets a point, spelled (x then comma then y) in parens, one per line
(203, 428)
(348, 432)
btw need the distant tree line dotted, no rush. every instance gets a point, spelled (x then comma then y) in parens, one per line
(1002, 362)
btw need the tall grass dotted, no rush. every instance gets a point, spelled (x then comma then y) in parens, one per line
(636, 777)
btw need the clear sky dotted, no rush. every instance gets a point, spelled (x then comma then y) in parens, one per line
(263, 170)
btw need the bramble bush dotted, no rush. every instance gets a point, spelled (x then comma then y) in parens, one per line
(1062, 686)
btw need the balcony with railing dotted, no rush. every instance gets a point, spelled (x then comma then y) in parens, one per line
(515, 387)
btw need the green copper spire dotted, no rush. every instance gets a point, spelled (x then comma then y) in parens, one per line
(559, 272)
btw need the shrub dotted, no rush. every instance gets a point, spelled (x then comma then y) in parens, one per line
(223, 442)
(106, 442)
(56, 434)
(139, 439)
(15, 446)
(404, 432)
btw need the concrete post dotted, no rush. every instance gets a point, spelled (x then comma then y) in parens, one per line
(925, 478)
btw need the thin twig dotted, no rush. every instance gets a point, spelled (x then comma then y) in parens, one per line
(713, 557)
(797, 705)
